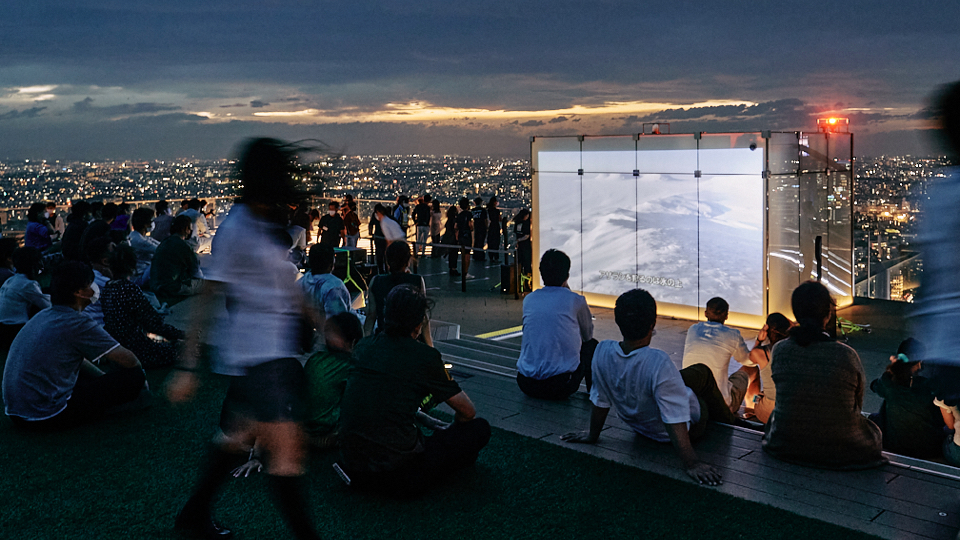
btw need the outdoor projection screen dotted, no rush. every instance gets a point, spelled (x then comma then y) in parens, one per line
(682, 216)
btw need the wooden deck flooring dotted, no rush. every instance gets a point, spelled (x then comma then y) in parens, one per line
(906, 499)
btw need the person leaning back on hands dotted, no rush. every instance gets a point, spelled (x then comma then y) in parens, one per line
(645, 388)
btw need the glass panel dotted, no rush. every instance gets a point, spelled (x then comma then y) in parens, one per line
(667, 154)
(731, 153)
(558, 219)
(555, 154)
(813, 152)
(667, 216)
(784, 155)
(609, 261)
(838, 249)
(731, 240)
(609, 154)
(814, 218)
(783, 240)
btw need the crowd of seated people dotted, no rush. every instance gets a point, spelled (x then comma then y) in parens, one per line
(368, 385)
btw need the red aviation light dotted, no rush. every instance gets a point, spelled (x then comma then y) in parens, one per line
(833, 125)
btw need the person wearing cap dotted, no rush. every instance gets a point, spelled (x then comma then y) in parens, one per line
(258, 345)
(908, 418)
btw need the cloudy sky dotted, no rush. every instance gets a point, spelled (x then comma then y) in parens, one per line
(136, 79)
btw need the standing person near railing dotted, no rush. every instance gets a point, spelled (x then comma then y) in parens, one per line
(421, 218)
(522, 231)
(494, 229)
(351, 221)
(436, 219)
(379, 242)
(465, 233)
(450, 238)
(479, 229)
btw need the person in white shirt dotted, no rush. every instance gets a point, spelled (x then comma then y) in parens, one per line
(558, 342)
(258, 344)
(713, 344)
(20, 295)
(144, 246)
(646, 389)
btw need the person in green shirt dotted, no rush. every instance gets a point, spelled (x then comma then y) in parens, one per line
(326, 373)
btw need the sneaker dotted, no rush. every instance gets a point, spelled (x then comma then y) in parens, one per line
(470, 276)
(454, 272)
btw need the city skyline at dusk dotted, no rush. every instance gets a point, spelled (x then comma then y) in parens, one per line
(128, 80)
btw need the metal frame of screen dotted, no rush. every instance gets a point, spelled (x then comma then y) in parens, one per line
(745, 216)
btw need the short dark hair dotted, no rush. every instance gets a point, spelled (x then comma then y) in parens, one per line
(398, 256)
(35, 211)
(334, 204)
(718, 305)
(478, 201)
(7, 246)
(194, 204)
(405, 308)
(109, 211)
(123, 261)
(141, 218)
(322, 257)
(464, 203)
(27, 260)
(68, 278)
(554, 267)
(635, 313)
(347, 324)
(79, 208)
(812, 304)
(181, 224)
(97, 249)
(161, 206)
(381, 209)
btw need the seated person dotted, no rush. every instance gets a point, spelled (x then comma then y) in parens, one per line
(775, 330)
(645, 388)
(911, 423)
(816, 419)
(951, 444)
(144, 246)
(326, 373)
(49, 381)
(20, 296)
(393, 375)
(97, 253)
(128, 315)
(558, 342)
(37, 234)
(712, 343)
(323, 290)
(7, 247)
(398, 259)
(175, 270)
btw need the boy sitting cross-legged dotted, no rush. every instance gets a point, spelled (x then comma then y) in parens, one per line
(646, 388)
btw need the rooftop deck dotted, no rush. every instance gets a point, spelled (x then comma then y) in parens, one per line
(906, 499)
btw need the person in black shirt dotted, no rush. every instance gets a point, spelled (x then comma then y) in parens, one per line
(521, 228)
(393, 376)
(479, 229)
(421, 217)
(465, 233)
(450, 238)
(494, 230)
(332, 228)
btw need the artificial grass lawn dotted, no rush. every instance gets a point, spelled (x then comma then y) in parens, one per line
(127, 477)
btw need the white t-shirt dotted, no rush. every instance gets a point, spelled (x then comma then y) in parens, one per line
(17, 295)
(391, 230)
(556, 322)
(712, 344)
(956, 419)
(644, 387)
(263, 317)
